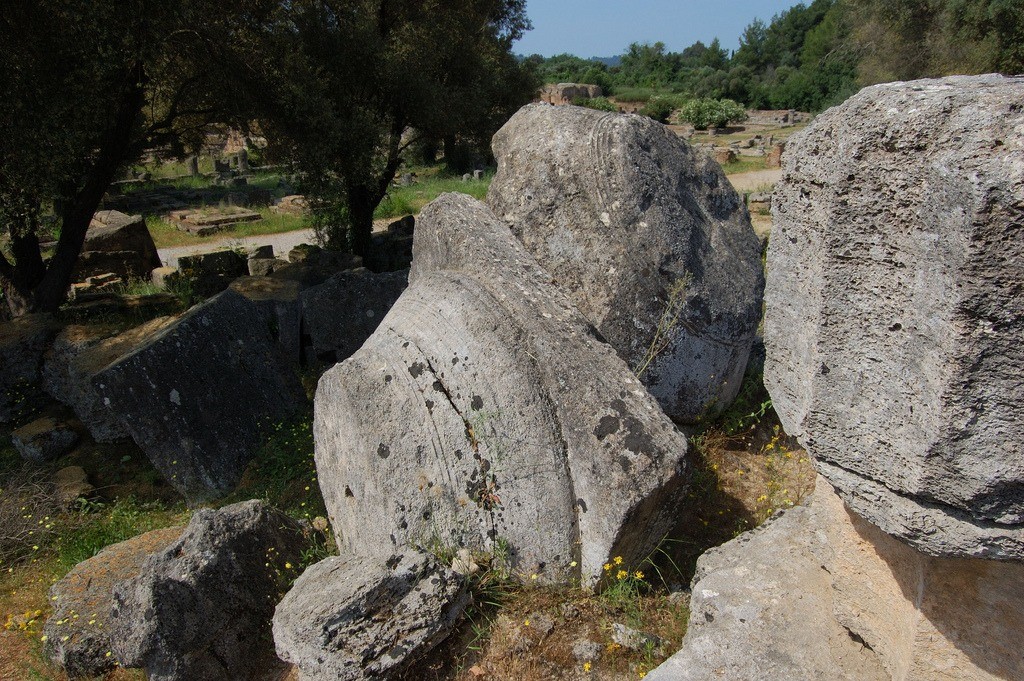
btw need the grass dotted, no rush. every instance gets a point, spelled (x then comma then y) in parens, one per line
(432, 182)
(167, 235)
(745, 164)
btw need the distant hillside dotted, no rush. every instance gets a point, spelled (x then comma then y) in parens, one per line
(610, 62)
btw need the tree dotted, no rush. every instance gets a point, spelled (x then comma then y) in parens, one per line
(88, 85)
(349, 85)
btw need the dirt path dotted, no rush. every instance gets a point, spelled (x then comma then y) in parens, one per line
(286, 241)
(747, 182)
(282, 243)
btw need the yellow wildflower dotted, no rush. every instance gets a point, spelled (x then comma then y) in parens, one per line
(586, 666)
(621, 574)
(618, 560)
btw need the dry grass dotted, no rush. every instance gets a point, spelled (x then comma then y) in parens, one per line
(541, 633)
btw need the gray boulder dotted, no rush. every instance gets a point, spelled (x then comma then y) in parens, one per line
(484, 412)
(201, 609)
(819, 593)
(197, 396)
(340, 314)
(211, 273)
(77, 354)
(277, 303)
(22, 344)
(78, 633)
(894, 328)
(351, 617)
(646, 237)
(44, 439)
(262, 267)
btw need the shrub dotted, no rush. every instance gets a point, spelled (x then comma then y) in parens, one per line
(598, 103)
(660, 108)
(715, 113)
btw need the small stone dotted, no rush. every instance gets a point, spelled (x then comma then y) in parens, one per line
(71, 483)
(627, 637)
(586, 650)
(44, 439)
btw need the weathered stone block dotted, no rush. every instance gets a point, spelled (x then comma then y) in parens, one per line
(78, 634)
(484, 408)
(894, 329)
(201, 609)
(350, 618)
(197, 396)
(646, 237)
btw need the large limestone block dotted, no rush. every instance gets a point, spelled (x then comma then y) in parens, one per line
(201, 608)
(485, 413)
(117, 243)
(78, 633)
(819, 593)
(647, 238)
(77, 354)
(197, 396)
(349, 618)
(340, 314)
(893, 328)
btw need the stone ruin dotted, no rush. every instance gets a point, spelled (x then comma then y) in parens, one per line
(648, 239)
(566, 93)
(488, 413)
(893, 334)
(487, 406)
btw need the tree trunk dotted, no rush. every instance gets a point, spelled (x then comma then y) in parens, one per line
(26, 286)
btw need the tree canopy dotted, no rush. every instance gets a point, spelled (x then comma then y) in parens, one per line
(814, 55)
(351, 85)
(342, 86)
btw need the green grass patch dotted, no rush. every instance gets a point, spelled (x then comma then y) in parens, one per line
(640, 95)
(283, 471)
(745, 164)
(97, 525)
(431, 184)
(167, 235)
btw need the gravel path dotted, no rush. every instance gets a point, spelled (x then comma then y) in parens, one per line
(747, 182)
(282, 243)
(286, 241)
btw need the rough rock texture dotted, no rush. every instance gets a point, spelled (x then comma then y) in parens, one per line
(196, 396)
(22, 343)
(201, 609)
(565, 93)
(819, 593)
(351, 617)
(70, 483)
(648, 239)
(340, 314)
(117, 243)
(278, 304)
(76, 355)
(485, 408)
(81, 604)
(893, 325)
(44, 439)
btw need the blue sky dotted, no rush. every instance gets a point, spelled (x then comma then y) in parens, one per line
(604, 28)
